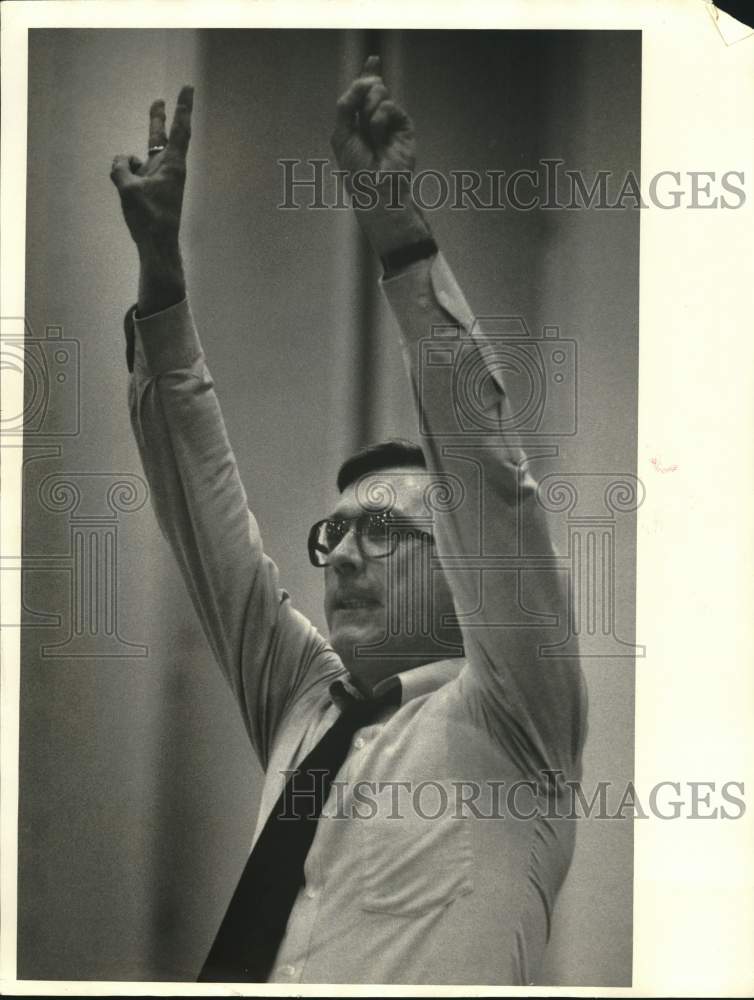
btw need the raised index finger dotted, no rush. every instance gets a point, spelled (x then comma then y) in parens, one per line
(180, 130)
(157, 137)
(372, 66)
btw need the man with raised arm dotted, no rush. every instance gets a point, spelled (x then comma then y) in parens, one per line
(406, 831)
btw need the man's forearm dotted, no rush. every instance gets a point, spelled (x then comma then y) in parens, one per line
(161, 279)
(498, 506)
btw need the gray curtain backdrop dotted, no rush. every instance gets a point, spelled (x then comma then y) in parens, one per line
(138, 788)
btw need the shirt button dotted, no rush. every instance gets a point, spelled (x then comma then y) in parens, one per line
(286, 970)
(310, 893)
(359, 742)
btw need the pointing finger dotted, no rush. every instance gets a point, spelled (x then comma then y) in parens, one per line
(180, 130)
(157, 137)
(372, 66)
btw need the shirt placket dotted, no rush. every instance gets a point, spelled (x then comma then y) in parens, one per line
(295, 950)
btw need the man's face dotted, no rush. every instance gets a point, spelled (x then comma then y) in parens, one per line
(384, 603)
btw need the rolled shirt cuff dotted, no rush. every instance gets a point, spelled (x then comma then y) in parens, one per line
(165, 341)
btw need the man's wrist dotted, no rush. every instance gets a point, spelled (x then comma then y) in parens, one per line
(161, 278)
(390, 229)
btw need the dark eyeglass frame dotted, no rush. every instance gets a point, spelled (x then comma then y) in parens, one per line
(398, 529)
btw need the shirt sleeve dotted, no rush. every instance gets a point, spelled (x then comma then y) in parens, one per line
(534, 705)
(269, 653)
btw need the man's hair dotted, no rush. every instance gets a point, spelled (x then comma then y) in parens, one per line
(397, 452)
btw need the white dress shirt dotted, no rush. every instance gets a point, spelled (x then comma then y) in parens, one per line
(394, 897)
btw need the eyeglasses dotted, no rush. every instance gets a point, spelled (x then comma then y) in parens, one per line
(377, 535)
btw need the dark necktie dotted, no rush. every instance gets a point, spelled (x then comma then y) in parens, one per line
(247, 942)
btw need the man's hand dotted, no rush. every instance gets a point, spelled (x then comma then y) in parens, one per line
(151, 196)
(371, 131)
(373, 134)
(151, 192)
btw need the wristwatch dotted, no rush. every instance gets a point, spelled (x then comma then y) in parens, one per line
(398, 259)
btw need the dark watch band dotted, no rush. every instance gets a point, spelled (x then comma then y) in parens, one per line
(128, 329)
(396, 260)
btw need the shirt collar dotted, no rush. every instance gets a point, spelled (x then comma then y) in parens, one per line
(413, 682)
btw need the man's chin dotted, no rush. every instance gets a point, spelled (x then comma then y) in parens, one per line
(349, 638)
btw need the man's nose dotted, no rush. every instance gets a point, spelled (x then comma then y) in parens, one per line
(346, 555)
